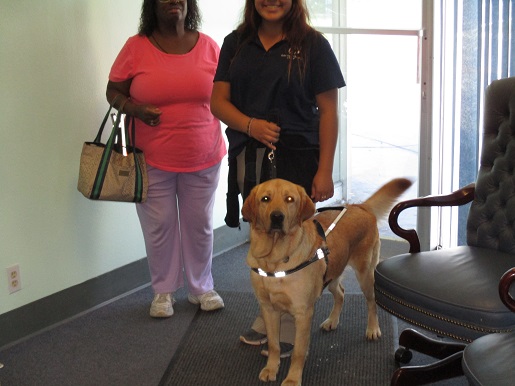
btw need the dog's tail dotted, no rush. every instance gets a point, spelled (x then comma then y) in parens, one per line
(383, 200)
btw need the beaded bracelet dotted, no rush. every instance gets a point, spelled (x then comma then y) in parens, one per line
(248, 126)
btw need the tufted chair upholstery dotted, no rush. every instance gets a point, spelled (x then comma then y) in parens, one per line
(455, 292)
(491, 220)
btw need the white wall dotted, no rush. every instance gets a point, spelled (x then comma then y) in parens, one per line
(219, 19)
(55, 56)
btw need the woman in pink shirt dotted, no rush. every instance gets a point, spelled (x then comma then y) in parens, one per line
(165, 77)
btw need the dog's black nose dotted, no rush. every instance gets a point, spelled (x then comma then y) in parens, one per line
(276, 219)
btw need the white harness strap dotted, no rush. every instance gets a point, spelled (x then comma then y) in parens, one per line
(331, 227)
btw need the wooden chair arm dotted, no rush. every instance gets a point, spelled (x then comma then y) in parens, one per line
(459, 197)
(507, 280)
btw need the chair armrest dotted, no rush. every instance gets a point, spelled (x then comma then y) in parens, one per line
(507, 280)
(459, 197)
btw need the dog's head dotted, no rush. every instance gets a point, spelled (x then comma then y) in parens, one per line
(277, 205)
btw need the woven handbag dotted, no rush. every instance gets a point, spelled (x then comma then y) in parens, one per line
(106, 173)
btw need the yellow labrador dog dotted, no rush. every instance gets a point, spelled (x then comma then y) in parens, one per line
(292, 260)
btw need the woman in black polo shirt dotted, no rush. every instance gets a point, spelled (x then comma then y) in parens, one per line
(276, 88)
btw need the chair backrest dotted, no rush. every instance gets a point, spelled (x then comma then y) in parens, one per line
(491, 220)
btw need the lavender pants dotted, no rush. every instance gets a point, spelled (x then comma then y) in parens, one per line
(177, 224)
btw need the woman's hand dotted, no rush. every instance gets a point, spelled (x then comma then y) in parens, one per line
(149, 114)
(265, 132)
(222, 108)
(322, 188)
(120, 91)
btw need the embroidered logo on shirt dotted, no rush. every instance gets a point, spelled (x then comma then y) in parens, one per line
(295, 54)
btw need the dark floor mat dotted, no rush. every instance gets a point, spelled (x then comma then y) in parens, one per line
(211, 354)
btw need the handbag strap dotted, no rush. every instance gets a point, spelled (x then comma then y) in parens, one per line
(106, 156)
(138, 186)
(98, 138)
(130, 141)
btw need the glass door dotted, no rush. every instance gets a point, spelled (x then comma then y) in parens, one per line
(379, 45)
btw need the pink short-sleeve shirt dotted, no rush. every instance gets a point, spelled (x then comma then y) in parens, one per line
(189, 137)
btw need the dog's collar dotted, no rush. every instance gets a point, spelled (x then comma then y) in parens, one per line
(320, 253)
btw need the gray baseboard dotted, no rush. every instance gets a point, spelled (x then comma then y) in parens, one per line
(227, 238)
(51, 310)
(44, 313)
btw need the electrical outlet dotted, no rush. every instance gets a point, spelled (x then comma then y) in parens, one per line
(13, 278)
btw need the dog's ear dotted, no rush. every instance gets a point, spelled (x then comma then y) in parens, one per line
(307, 207)
(248, 209)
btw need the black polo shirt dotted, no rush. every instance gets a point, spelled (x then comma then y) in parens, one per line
(261, 87)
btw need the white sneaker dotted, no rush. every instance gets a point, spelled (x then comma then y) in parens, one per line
(209, 301)
(162, 306)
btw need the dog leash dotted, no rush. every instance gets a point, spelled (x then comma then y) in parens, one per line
(273, 169)
(273, 116)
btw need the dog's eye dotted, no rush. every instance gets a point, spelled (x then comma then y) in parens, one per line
(289, 199)
(265, 199)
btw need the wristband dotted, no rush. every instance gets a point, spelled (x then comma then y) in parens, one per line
(248, 127)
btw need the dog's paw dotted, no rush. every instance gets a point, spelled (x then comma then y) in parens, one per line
(268, 375)
(291, 382)
(329, 324)
(373, 333)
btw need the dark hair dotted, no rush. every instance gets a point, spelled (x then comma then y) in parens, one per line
(296, 28)
(148, 20)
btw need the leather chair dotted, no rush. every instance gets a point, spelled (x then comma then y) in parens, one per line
(454, 292)
(490, 360)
